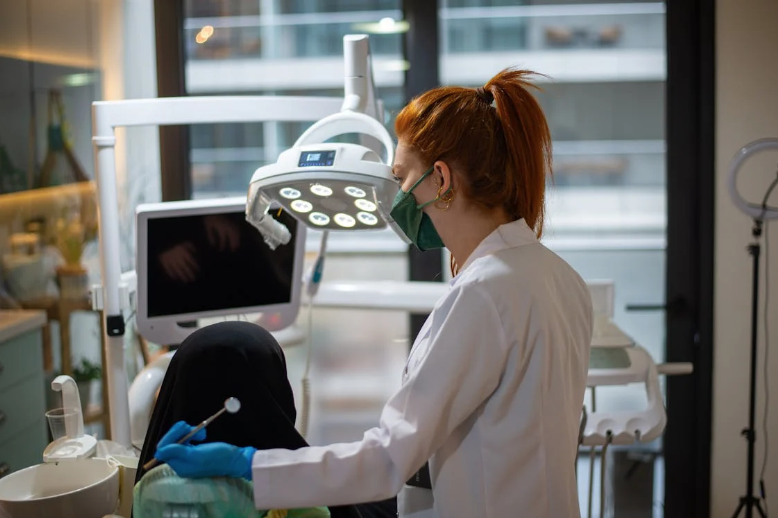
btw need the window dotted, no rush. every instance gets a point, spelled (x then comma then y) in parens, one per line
(604, 98)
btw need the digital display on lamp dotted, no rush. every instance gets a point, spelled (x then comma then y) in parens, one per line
(316, 158)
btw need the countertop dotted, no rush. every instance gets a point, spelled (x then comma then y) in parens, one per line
(16, 322)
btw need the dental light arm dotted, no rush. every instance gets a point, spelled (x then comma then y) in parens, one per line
(359, 87)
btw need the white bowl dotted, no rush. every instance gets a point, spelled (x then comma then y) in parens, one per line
(87, 488)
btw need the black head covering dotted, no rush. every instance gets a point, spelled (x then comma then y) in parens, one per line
(230, 359)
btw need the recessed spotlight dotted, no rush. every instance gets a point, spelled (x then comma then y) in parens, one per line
(321, 190)
(365, 205)
(301, 206)
(344, 220)
(319, 219)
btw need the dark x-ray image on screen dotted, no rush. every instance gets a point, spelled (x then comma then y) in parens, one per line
(215, 262)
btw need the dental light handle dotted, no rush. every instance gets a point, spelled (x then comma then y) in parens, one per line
(273, 232)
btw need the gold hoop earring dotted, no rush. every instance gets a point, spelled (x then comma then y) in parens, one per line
(444, 199)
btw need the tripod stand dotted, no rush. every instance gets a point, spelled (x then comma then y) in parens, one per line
(749, 501)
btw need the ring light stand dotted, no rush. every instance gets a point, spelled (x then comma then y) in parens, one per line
(759, 213)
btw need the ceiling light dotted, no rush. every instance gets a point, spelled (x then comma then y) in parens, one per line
(383, 26)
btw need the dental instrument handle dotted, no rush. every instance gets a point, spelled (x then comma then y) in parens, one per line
(153, 462)
(201, 426)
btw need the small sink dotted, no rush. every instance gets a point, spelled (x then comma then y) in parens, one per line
(86, 488)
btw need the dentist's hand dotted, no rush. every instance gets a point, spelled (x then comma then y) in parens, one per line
(216, 459)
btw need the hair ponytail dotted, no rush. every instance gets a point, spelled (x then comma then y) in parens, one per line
(528, 144)
(496, 136)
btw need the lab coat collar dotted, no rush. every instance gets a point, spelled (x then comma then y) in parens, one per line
(510, 235)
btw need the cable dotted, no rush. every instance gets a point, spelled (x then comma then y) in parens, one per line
(306, 382)
(312, 287)
(127, 320)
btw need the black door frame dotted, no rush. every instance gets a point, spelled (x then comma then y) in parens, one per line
(691, 181)
(690, 122)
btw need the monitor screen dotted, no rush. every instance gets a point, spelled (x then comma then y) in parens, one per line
(215, 262)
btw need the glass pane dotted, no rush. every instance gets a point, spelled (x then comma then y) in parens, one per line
(295, 48)
(604, 97)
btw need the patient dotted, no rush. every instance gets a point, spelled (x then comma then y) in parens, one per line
(242, 360)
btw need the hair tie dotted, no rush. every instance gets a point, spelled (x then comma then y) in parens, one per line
(485, 95)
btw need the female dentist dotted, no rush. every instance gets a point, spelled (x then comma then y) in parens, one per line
(494, 385)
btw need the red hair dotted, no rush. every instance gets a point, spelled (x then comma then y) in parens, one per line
(496, 137)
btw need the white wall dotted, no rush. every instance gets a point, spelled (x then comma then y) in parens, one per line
(746, 109)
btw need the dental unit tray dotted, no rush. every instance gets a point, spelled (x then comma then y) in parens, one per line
(609, 366)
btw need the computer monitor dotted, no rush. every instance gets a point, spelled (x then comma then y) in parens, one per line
(201, 259)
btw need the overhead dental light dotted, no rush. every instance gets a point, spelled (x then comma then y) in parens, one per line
(327, 186)
(332, 186)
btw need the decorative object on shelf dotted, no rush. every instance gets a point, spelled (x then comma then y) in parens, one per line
(84, 374)
(74, 231)
(54, 171)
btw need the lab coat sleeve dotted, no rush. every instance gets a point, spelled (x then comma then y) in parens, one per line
(457, 371)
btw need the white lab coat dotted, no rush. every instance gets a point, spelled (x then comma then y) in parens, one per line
(492, 396)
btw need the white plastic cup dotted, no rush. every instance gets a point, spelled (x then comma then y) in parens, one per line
(62, 419)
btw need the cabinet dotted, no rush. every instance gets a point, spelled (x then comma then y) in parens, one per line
(23, 427)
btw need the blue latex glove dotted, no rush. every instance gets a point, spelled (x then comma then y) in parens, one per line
(179, 430)
(216, 459)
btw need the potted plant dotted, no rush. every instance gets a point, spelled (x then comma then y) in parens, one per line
(84, 374)
(74, 232)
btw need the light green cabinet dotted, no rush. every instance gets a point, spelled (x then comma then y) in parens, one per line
(23, 427)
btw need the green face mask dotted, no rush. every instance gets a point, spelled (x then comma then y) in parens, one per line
(413, 221)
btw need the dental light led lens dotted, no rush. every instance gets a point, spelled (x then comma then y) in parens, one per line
(366, 205)
(344, 220)
(367, 218)
(319, 219)
(290, 193)
(301, 206)
(321, 190)
(356, 192)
